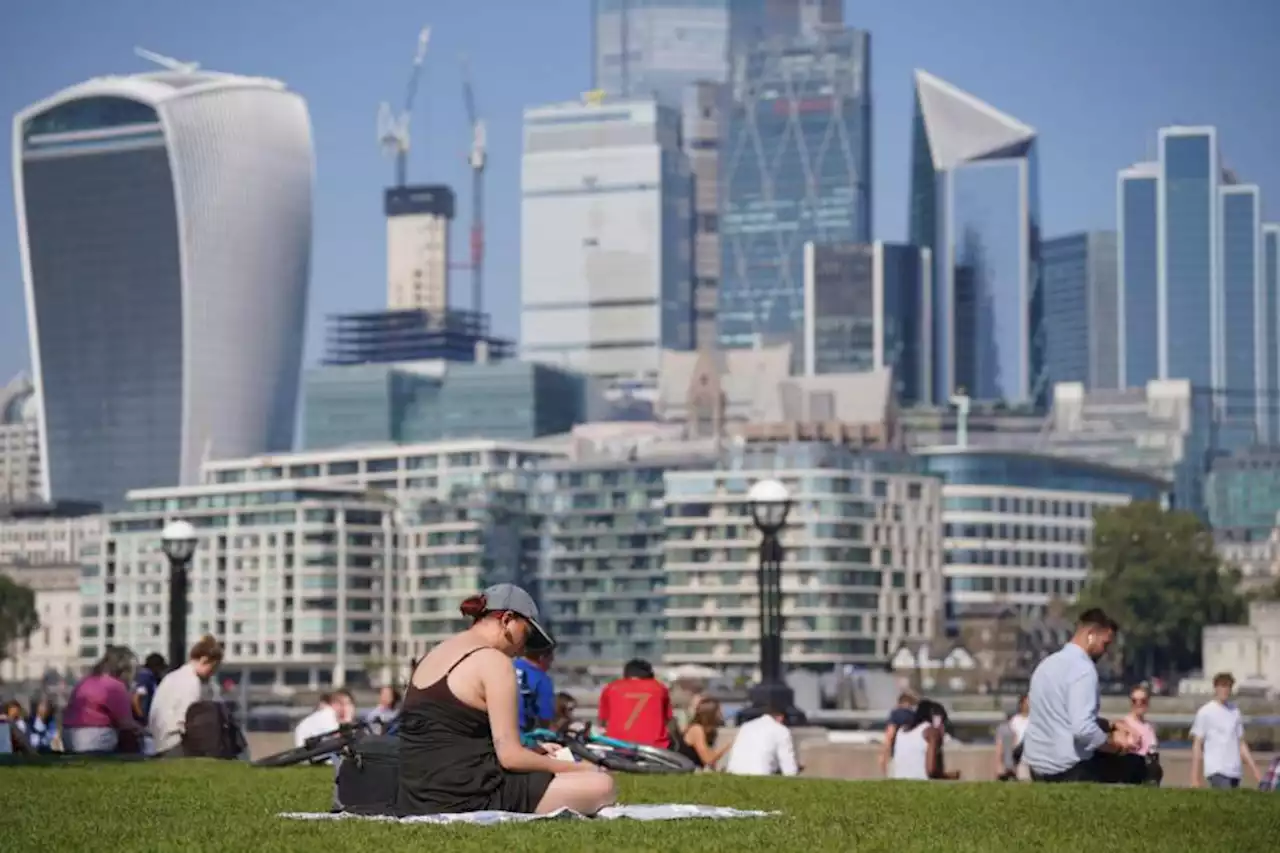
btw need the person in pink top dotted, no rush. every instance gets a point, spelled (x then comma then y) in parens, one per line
(1147, 745)
(99, 716)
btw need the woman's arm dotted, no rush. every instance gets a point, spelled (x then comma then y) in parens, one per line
(498, 679)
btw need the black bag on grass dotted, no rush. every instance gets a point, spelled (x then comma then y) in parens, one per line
(211, 732)
(369, 775)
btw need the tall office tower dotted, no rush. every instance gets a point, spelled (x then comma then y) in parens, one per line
(418, 220)
(164, 222)
(655, 48)
(866, 307)
(1138, 273)
(975, 203)
(796, 167)
(1081, 309)
(1243, 311)
(702, 122)
(605, 257)
(1271, 324)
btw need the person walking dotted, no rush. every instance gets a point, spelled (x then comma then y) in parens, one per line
(1218, 747)
(1065, 740)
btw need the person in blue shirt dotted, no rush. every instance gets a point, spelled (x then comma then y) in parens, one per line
(145, 684)
(537, 695)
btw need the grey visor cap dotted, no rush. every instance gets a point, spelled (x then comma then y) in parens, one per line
(508, 596)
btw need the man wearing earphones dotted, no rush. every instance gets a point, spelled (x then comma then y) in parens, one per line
(1065, 739)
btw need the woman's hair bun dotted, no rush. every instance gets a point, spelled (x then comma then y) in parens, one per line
(474, 607)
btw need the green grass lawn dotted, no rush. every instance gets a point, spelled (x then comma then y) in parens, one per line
(207, 806)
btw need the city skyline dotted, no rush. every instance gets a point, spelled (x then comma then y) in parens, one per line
(1086, 134)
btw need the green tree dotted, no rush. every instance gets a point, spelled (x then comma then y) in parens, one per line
(18, 616)
(1157, 574)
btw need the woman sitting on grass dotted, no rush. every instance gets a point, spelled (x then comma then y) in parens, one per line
(460, 745)
(698, 742)
(917, 748)
(99, 716)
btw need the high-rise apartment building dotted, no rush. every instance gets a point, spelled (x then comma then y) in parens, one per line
(866, 307)
(795, 168)
(975, 204)
(1271, 324)
(655, 48)
(606, 234)
(20, 478)
(418, 220)
(164, 223)
(1081, 309)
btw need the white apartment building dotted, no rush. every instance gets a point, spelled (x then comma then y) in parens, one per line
(20, 479)
(606, 237)
(295, 578)
(1018, 526)
(53, 647)
(418, 220)
(49, 534)
(862, 571)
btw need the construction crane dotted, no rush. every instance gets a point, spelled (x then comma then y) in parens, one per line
(393, 130)
(476, 159)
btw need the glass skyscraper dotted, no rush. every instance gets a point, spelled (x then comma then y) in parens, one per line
(795, 167)
(1271, 323)
(1195, 293)
(164, 227)
(1138, 273)
(866, 307)
(655, 48)
(1081, 311)
(975, 204)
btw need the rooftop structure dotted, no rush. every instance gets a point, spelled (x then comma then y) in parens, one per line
(384, 337)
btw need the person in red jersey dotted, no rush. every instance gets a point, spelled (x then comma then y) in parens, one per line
(637, 707)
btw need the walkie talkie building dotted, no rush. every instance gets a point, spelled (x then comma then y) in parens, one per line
(164, 222)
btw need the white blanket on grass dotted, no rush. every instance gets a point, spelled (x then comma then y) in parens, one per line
(488, 818)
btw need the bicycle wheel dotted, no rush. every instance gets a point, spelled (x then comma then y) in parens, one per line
(640, 759)
(300, 754)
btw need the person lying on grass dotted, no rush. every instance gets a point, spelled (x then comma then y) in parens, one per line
(460, 747)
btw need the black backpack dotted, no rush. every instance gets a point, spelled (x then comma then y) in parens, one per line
(211, 732)
(369, 775)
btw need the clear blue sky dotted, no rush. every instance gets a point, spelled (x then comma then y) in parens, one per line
(1095, 78)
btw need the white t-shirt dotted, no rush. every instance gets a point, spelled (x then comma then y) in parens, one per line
(763, 747)
(178, 691)
(320, 721)
(1220, 728)
(1018, 725)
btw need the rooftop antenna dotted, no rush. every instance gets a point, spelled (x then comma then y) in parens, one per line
(168, 62)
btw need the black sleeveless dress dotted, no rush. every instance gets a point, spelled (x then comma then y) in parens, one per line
(447, 760)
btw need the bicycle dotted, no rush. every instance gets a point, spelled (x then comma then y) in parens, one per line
(340, 740)
(610, 753)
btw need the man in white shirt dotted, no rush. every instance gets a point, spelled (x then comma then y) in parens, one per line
(1218, 747)
(763, 747)
(178, 691)
(334, 710)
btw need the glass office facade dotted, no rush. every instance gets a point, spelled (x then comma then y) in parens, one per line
(976, 207)
(1242, 494)
(1081, 323)
(905, 342)
(1189, 279)
(784, 181)
(102, 237)
(363, 404)
(1139, 275)
(1271, 324)
(1242, 305)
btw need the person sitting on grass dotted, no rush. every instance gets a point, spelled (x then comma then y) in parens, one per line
(537, 705)
(566, 707)
(900, 717)
(764, 746)
(178, 691)
(99, 716)
(334, 710)
(637, 707)
(42, 726)
(460, 748)
(698, 743)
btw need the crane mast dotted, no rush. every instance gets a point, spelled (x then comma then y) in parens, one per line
(476, 160)
(393, 130)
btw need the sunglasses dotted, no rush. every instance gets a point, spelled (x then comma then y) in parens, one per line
(1139, 700)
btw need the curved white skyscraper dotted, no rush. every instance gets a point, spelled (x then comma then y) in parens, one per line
(165, 229)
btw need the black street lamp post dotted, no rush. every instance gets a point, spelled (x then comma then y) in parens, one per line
(770, 502)
(179, 542)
